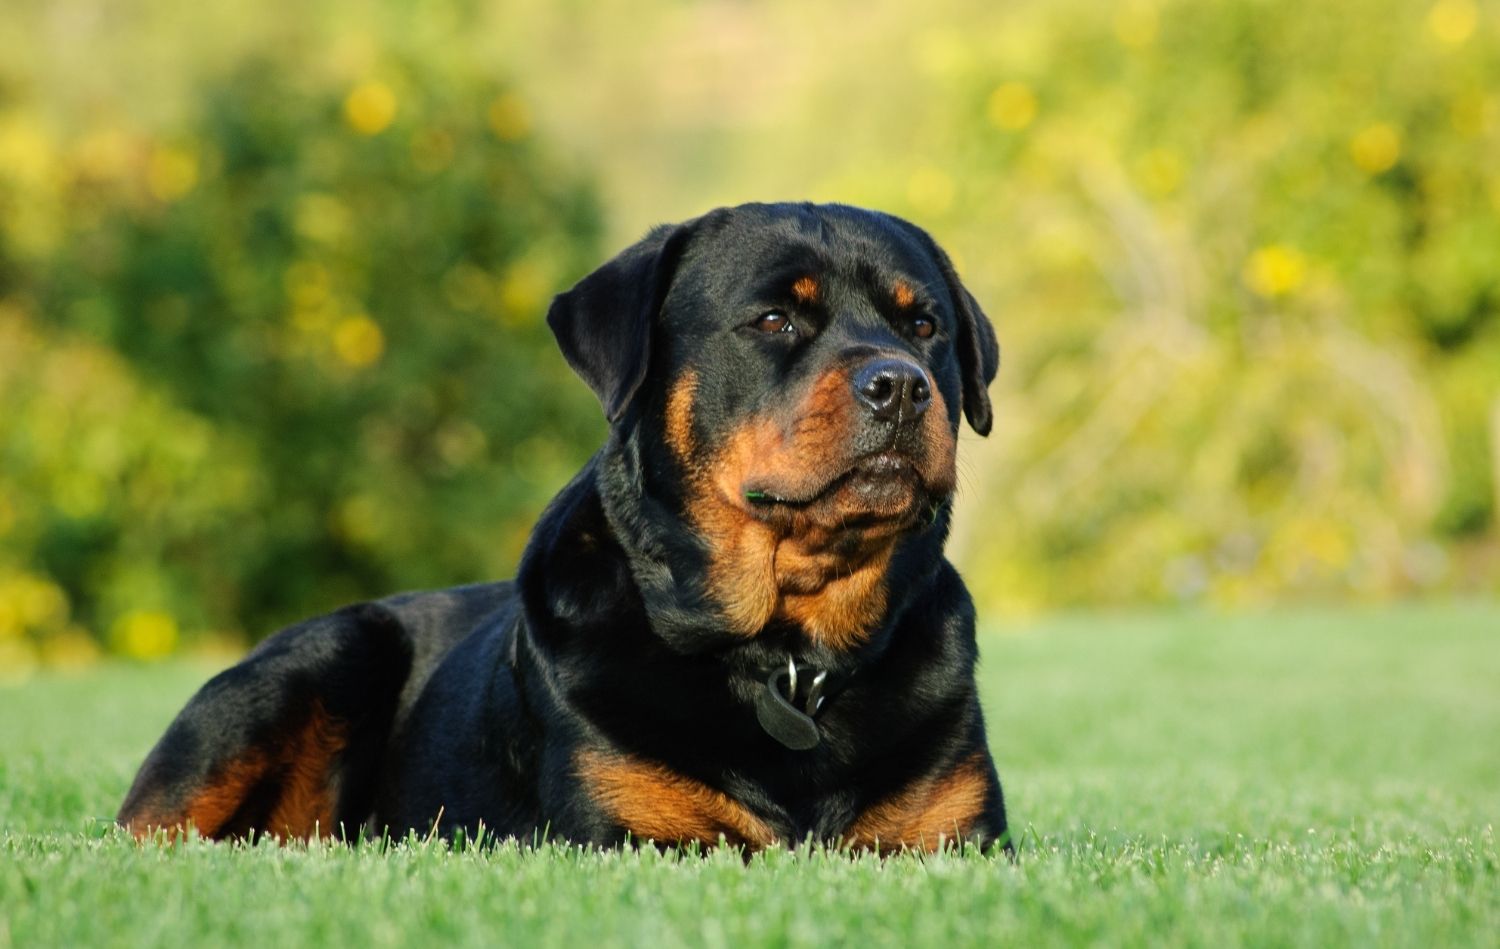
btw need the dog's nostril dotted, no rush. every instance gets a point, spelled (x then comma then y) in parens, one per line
(879, 389)
(896, 390)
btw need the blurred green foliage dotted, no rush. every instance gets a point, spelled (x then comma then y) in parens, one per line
(271, 289)
(284, 353)
(1256, 309)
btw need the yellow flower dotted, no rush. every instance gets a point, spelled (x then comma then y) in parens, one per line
(1376, 148)
(370, 107)
(1012, 106)
(26, 152)
(29, 603)
(523, 290)
(1453, 21)
(1275, 270)
(171, 172)
(358, 341)
(39, 602)
(144, 634)
(510, 117)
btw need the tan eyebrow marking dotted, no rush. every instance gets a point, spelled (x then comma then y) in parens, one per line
(805, 289)
(904, 295)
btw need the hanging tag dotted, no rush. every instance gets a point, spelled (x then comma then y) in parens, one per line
(782, 720)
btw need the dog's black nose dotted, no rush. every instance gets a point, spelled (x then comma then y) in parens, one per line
(896, 390)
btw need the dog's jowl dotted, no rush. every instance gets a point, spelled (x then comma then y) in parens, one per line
(735, 624)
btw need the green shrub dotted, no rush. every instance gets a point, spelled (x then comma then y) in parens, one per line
(285, 352)
(270, 337)
(1242, 255)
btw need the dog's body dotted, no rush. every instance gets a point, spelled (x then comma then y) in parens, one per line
(736, 622)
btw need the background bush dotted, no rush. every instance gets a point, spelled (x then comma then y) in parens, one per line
(271, 291)
(1255, 308)
(283, 353)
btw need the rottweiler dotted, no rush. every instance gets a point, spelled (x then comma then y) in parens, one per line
(734, 625)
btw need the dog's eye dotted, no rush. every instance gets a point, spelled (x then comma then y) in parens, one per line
(922, 327)
(775, 322)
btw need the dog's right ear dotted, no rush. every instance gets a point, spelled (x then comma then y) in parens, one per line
(978, 350)
(603, 324)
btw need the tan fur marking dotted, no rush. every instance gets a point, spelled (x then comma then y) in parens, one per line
(926, 813)
(803, 572)
(903, 294)
(655, 803)
(210, 808)
(843, 612)
(308, 789)
(680, 416)
(806, 290)
(754, 563)
(742, 572)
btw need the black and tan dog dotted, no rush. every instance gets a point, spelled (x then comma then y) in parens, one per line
(736, 622)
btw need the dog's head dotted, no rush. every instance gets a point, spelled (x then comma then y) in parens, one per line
(794, 375)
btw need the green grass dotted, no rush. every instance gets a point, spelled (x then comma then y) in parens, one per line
(1307, 778)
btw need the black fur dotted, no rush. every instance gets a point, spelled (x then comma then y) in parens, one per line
(470, 707)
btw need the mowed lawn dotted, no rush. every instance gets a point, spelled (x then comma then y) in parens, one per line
(1315, 777)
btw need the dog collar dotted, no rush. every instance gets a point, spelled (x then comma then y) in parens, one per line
(776, 705)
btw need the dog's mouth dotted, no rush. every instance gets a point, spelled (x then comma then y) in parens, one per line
(883, 486)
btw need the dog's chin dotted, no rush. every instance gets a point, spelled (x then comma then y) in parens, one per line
(883, 492)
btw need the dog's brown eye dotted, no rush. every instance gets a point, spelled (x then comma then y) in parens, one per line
(922, 327)
(775, 322)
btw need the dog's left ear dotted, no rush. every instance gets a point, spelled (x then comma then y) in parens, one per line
(978, 350)
(603, 324)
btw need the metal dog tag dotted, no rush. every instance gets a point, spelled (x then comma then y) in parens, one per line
(782, 720)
